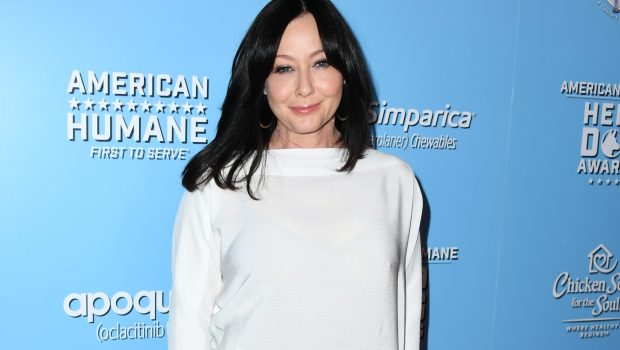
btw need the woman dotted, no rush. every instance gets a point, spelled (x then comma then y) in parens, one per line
(294, 235)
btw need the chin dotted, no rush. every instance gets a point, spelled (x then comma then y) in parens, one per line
(306, 131)
(310, 126)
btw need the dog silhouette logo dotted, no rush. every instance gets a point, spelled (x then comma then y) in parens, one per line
(610, 145)
(615, 4)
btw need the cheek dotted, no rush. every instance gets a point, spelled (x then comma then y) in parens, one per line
(278, 89)
(330, 84)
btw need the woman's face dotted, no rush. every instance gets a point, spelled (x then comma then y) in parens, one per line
(303, 89)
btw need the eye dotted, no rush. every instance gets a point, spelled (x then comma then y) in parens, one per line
(282, 69)
(324, 63)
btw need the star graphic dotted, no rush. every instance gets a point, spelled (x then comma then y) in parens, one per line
(160, 107)
(75, 104)
(103, 105)
(132, 105)
(188, 108)
(608, 182)
(591, 181)
(89, 103)
(617, 182)
(600, 181)
(146, 106)
(173, 107)
(118, 106)
(201, 108)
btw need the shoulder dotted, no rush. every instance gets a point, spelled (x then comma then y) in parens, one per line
(377, 160)
(200, 197)
(392, 169)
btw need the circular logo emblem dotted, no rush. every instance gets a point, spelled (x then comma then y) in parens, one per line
(610, 145)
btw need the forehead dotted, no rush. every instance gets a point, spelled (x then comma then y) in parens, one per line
(301, 36)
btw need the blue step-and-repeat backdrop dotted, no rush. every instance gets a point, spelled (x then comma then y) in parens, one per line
(508, 111)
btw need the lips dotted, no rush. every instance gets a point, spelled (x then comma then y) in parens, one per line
(305, 109)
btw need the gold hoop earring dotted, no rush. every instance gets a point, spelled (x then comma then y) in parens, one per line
(265, 126)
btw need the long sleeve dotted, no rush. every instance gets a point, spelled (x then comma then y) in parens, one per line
(413, 275)
(196, 274)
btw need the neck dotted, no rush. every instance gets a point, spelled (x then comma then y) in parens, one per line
(321, 139)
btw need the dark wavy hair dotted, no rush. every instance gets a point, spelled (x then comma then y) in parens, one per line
(240, 139)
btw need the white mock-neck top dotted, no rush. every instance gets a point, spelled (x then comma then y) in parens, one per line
(325, 260)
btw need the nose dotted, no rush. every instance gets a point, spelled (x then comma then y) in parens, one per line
(305, 87)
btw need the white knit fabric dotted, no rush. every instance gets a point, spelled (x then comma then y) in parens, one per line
(325, 260)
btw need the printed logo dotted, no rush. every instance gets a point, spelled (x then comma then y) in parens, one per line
(601, 260)
(97, 305)
(415, 122)
(440, 255)
(610, 145)
(135, 115)
(615, 4)
(611, 8)
(599, 161)
(598, 297)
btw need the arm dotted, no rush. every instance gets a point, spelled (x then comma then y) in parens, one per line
(196, 274)
(413, 274)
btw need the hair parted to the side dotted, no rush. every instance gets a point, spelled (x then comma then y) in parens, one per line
(240, 139)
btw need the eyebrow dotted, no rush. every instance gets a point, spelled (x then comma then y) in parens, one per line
(319, 51)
